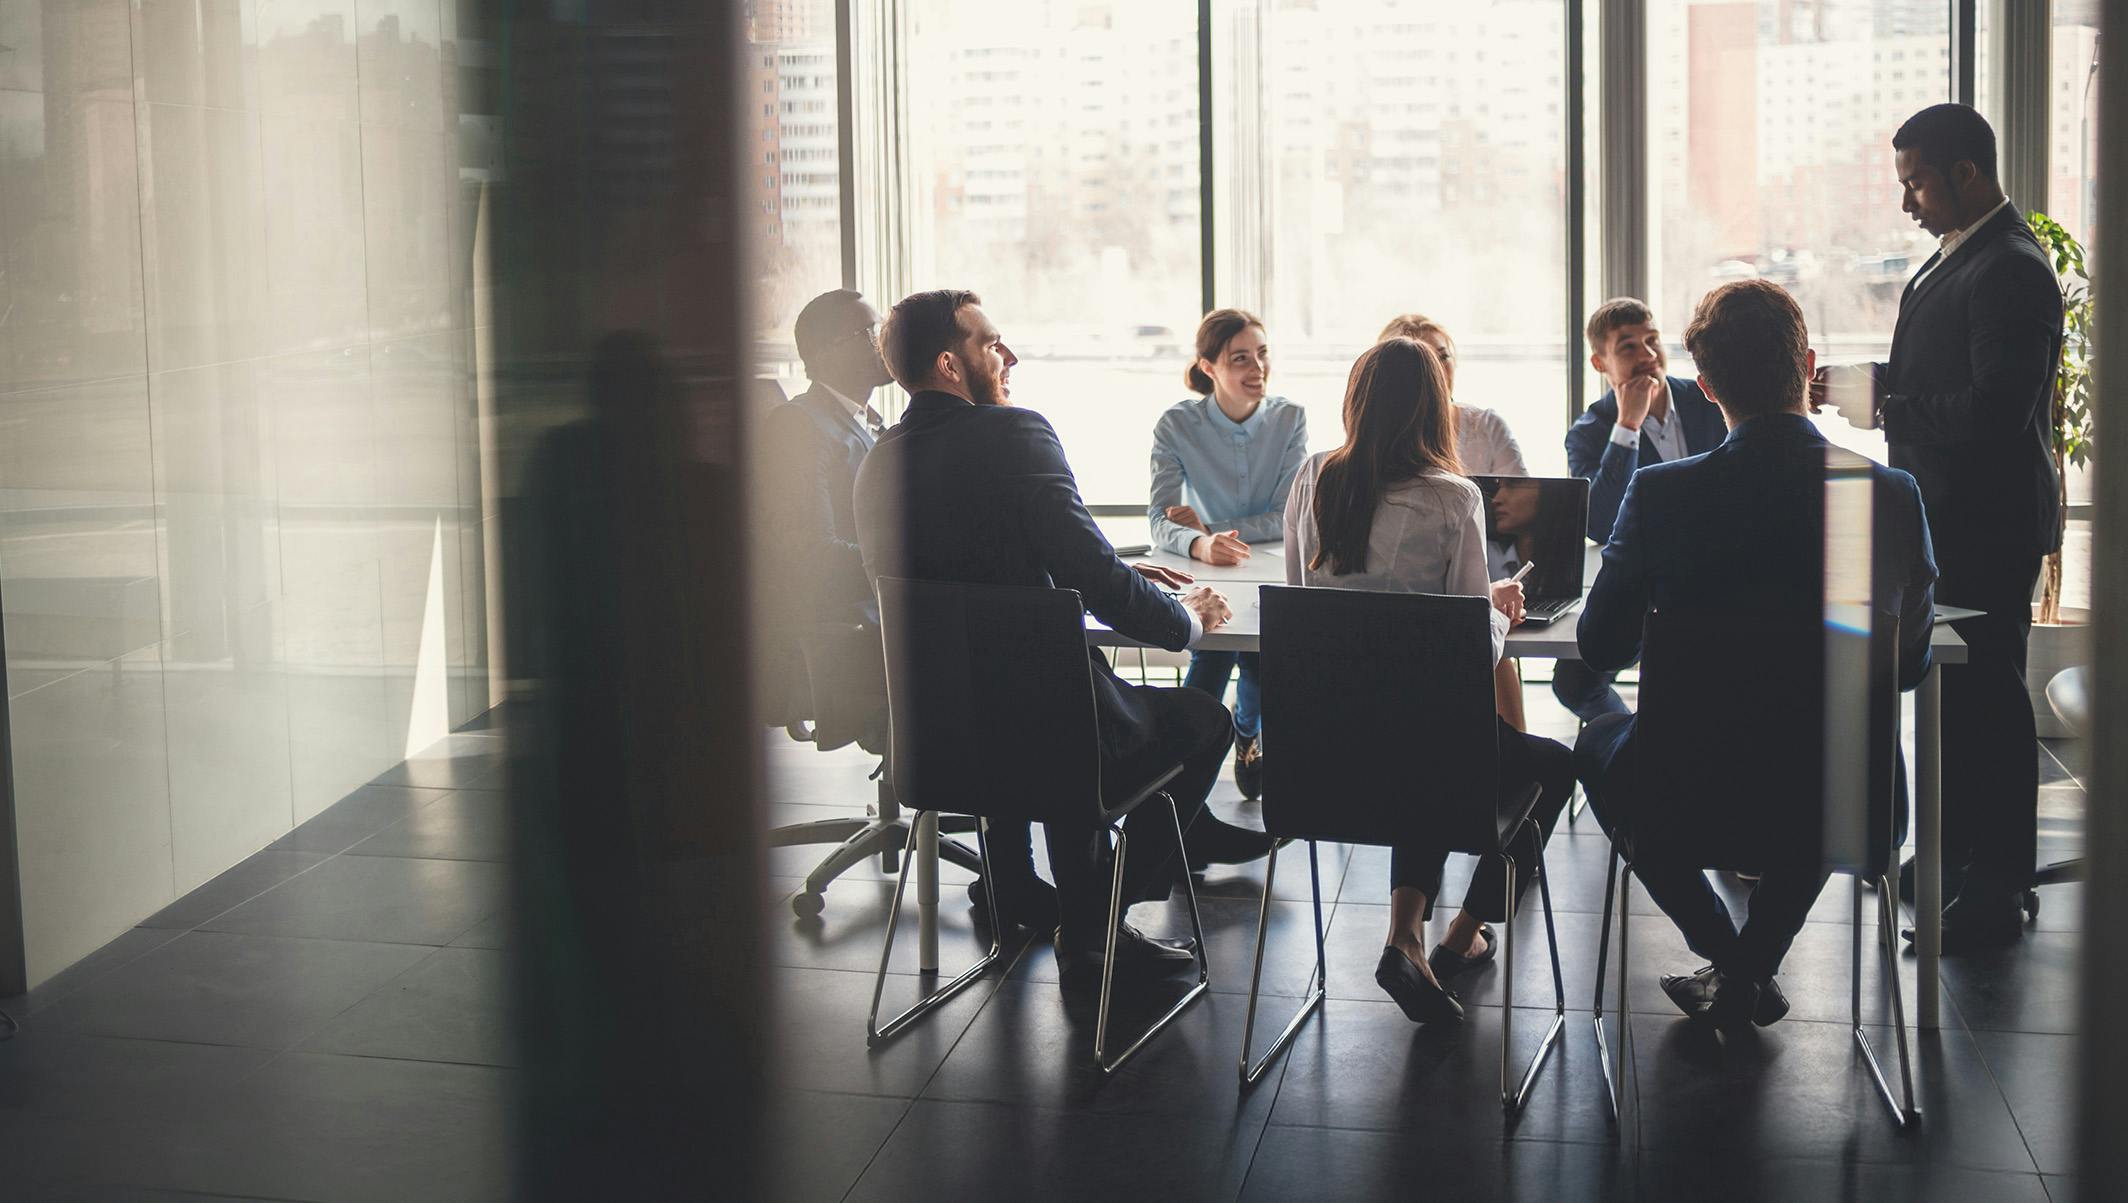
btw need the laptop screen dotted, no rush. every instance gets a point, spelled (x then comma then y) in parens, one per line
(1541, 520)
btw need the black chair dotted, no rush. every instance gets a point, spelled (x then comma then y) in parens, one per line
(1792, 770)
(844, 693)
(990, 695)
(1380, 706)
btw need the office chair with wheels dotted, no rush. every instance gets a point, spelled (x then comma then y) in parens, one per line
(2069, 696)
(990, 696)
(846, 681)
(1381, 707)
(1726, 778)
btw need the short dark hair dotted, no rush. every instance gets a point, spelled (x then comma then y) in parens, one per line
(918, 328)
(818, 323)
(1616, 312)
(1942, 135)
(1749, 342)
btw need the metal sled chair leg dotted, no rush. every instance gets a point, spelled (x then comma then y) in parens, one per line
(1115, 922)
(1317, 986)
(874, 1033)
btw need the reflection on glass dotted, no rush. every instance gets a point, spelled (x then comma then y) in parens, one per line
(790, 132)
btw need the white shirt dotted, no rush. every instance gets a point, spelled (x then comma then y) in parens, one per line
(1666, 432)
(866, 416)
(1485, 444)
(1947, 245)
(1428, 537)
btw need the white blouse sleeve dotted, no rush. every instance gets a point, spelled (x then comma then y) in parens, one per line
(1300, 507)
(1467, 573)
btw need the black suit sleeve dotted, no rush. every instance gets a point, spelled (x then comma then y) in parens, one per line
(805, 465)
(1617, 609)
(1592, 456)
(1918, 595)
(1072, 549)
(2014, 316)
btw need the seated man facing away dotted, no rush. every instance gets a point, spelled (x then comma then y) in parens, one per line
(967, 488)
(1647, 417)
(815, 443)
(1740, 528)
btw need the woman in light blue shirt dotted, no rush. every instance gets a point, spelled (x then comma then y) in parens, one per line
(1223, 463)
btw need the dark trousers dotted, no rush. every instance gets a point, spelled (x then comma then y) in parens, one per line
(1990, 745)
(1524, 760)
(1192, 729)
(1585, 691)
(1604, 760)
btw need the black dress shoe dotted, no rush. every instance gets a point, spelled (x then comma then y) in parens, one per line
(1031, 904)
(1421, 1000)
(1773, 1005)
(1729, 1003)
(1212, 842)
(1136, 952)
(1446, 964)
(1953, 881)
(1248, 767)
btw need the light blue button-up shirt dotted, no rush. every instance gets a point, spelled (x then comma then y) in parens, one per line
(1236, 475)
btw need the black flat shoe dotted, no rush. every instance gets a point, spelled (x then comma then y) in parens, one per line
(1446, 964)
(1422, 1001)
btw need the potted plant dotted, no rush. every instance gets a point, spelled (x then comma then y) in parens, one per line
(2060, 635)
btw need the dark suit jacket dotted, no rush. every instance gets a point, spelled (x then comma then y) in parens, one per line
(1968, 406)
(1591, 455)
(1743, 528)
(814, 447)
(982, 494)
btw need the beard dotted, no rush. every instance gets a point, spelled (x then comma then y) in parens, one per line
(987, 390)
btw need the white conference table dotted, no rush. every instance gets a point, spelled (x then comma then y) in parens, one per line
(1557, 642)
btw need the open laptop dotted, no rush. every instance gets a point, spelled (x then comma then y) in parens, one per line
(1540, 521)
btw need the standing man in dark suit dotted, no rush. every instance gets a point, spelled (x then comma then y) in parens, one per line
(1965, 402)
(1740, 528)
(826, 605)
(968, 488)
(1647, 417)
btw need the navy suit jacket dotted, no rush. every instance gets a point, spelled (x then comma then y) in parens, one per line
(1968, 406)
(983, 494)
(1591, 455)
(1743, 528)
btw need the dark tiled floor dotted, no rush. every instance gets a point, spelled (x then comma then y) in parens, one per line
(325, 1021)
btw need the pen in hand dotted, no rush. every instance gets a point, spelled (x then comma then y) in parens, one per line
(1522, 572)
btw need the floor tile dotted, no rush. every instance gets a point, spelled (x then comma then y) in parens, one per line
(219, 988)
(820, 1032)
(1352, 1167)
(2028, 986)
(817, 1143)
(247, 879)
(463, 825)
(849, 933)
(1230, 942)
(355, 818)
(956, 1150)
(2061, 1188)
(1364, 1065)
(130, 946)
(60, 1073)
(1666, 1176)
(386, 899)
(454, 1006)
(2037, 1074)
(1801, 1090)
(491, 932)
(441, 772)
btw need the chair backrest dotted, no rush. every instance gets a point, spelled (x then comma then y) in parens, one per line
(1767, 740)
(990, 699)
(1378, 717)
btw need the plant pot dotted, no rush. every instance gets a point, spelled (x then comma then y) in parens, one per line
(2052, 649)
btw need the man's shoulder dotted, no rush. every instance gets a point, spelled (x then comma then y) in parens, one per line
(1603, 412)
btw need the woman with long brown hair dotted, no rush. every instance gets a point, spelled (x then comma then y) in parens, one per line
(1391, 511)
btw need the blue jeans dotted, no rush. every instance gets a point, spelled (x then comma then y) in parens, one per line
(1209, 672)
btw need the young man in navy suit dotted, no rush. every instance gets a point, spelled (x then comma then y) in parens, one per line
(968, 488)
(1966, 404)
(1741, 528)
(1647, 417)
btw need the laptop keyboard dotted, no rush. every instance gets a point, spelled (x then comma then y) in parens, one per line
(1550, 607)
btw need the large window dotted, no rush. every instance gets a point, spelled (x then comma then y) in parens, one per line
(1055, 171)
(791, 155)
(1416, 163)
(1770, 125)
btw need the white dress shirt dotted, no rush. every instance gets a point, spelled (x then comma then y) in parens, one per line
(1485, 444)
(1428, 537)
(866, 416)
(1948, 245)
(1666, 433)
